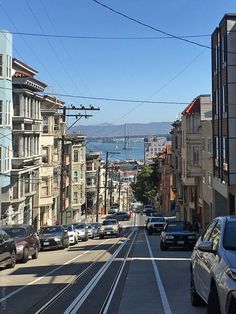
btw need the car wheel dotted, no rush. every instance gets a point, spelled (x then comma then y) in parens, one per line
(213, 304)
(196, 300)
(149, 232)
(25, 255)
(36, 253)
(163, 247)
(101, 237)
(12, 262)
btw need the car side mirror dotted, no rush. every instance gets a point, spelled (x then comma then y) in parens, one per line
(206, 246)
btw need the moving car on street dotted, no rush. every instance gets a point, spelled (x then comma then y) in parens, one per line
(109, 227)
(7, 250)
(26, 241)
(155, 224)
(53, 237)
(73, 235)
(213, 267)
(178, 234)
(82, 231)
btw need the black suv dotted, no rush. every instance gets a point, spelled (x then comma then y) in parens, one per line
(7, 250)
(26, 241)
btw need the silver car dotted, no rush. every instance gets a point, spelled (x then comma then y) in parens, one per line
(213, 267)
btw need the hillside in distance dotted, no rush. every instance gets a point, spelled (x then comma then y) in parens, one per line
(106, 129)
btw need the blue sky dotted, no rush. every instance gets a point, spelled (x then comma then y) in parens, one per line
(125, 69)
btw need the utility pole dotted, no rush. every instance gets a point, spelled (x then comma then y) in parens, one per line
(105, 194)
(98, 194)
(78, 116)
(106, 173)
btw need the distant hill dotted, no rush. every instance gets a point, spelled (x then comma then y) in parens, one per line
(105, 129)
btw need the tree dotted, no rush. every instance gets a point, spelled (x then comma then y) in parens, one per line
(147, 183)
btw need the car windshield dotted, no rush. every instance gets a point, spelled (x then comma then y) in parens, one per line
(69, 228)
(50, 230)
(81, 226)
(158, 219)
(15, 232)
(179, 226)
(109, 222)
(229, 242)
(95, 225)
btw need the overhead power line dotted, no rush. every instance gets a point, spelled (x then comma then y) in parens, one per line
(107, 37)
(116, 99)
(155, 28)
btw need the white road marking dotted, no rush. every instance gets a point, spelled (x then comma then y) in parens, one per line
(47, 274)
(164, 299)
(79, 300)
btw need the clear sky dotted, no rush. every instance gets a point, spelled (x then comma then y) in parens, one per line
(139, 69)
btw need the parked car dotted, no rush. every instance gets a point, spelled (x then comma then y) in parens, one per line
(213, 267)
(155, 224)
(109, 227)
(53, 237)
(90, 231)
(26, 241)
(178, 234)
(72, 233)
(82, 231)
(96, 226)
(146, 222)
(121, 216)
(7, 250)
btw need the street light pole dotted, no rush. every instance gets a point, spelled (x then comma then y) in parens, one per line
(106, 167)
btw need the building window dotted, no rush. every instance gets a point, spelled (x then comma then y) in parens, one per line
(75, 198)
(224, 99)
(216, 151)
(209, 145)
(44, 187)
(9, 67)
(27, 183)
(196, 155)
(8, 108)
(0, 159)
(194, 124)
(1, 65)
(224, 148)
(76, 156)
(203, 144)
(75, 176)
(223, 51)
(45, 151)
(1, 112)
(7, 159)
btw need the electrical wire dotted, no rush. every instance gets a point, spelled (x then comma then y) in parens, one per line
(156, 29)
(105, 37)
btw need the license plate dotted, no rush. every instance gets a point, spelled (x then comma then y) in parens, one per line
(108, 232)
(180, 242)
(46, 243)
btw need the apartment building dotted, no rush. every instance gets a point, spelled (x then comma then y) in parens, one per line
(153, 145)
(166, 194)
(192, 116)
(20, 198)
(224, 116)
(78, 171)
(93, 163)
(50, 163)
(177, 186)
(6, 112)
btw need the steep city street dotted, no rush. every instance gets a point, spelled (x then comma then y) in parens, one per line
(128, 274)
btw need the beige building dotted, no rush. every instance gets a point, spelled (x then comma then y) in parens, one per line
(207, 169)
(78, 174)
(197, 111)
(49, 172)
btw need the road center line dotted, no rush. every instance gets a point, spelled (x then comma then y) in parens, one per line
(49, 273)
(164, 299)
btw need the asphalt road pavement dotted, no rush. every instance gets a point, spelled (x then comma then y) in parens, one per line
(114, 275)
